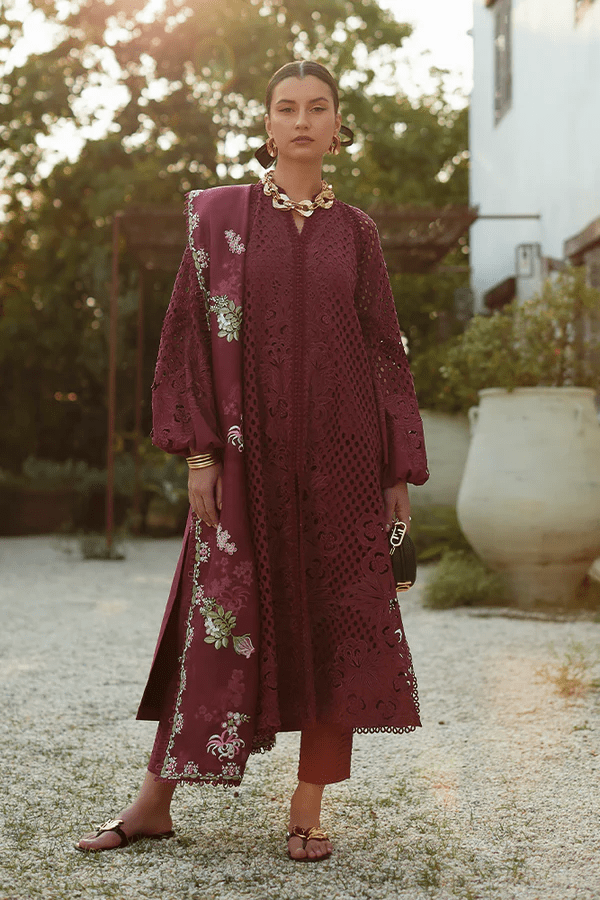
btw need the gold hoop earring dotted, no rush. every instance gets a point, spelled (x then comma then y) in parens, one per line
(335, 145)
(272, 147)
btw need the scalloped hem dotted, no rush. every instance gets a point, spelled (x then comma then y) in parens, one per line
(205, 782)
(262, 747)
(386, 729)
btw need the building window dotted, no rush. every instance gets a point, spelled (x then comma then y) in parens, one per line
(581, 7)
(502, 10)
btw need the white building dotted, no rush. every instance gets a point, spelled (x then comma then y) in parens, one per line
(535, 143)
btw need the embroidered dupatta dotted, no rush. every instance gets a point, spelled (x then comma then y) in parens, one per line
(214, 716)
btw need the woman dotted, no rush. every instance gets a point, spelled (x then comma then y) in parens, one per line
(282, 378)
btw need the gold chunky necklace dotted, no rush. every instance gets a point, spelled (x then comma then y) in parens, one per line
(305, 208)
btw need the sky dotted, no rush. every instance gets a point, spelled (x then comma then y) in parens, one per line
(440, 40)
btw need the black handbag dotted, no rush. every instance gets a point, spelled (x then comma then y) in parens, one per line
(403, 556)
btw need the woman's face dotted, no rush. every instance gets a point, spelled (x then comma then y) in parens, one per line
(302, 119)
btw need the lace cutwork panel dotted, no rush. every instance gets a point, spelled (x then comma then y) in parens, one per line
(329, 412)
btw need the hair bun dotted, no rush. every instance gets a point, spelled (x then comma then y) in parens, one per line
(348, 134)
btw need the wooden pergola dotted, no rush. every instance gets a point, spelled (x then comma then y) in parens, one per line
(155, 237)
(414, 239)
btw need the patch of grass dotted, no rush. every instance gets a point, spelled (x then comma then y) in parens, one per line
(429, 875)
(517, 865)
(584, 727)
(95, 546)
(571, 674)
(461, 579)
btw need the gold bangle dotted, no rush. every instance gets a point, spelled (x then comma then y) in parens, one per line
(200, 457)
(201, 460)
(203, 465)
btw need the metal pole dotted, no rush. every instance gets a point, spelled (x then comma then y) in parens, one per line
(139, 396)
(112, 383)
(509, 216)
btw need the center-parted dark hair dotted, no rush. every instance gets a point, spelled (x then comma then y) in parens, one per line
(301, 69)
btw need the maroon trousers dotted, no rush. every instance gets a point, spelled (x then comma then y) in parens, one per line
(325, 753)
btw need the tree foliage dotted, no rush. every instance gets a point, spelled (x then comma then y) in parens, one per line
(191, 79)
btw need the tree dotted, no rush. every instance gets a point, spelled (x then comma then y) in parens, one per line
(191, 80)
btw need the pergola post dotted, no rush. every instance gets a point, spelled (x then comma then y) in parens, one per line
(139, 398)
(112, 383)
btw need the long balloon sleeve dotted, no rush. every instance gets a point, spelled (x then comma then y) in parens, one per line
(404, 445)
(183, 404)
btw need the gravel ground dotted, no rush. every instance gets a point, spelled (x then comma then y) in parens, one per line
(498, 796)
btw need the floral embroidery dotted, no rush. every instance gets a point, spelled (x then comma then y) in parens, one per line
(243, 645)
(230, 772)
(201, 259)
(235, 689)
(235, 437)
(188, 638)
(244, 572)
(169, 770)
(234, 242)
(193, 222)
(228, 744)
(199, 254)
(358, 667)
(199, 598)
(228, 315)
(219, 624)
(224, 541)
(202, 551)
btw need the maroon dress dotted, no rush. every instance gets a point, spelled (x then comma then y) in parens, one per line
(330, 418)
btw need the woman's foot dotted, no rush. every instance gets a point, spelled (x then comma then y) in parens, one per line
(133, 823)
(305, 812)
(148, 815)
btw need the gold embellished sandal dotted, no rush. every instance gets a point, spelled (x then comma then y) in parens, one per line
(306, 835)
(115, 825)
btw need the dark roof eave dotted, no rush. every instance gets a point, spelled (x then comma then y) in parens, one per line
(580, 244)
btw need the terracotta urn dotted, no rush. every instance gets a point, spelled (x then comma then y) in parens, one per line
(529, 500)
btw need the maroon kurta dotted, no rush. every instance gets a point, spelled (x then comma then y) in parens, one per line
(329, 419)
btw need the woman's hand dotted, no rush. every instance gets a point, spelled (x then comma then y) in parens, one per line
(397, 505)
(205, 490)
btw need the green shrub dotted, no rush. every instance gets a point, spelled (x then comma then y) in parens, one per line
(95, 546)
(549, 340)
(433, 389)
(461, 579)
(76, 473)
(435, 530)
